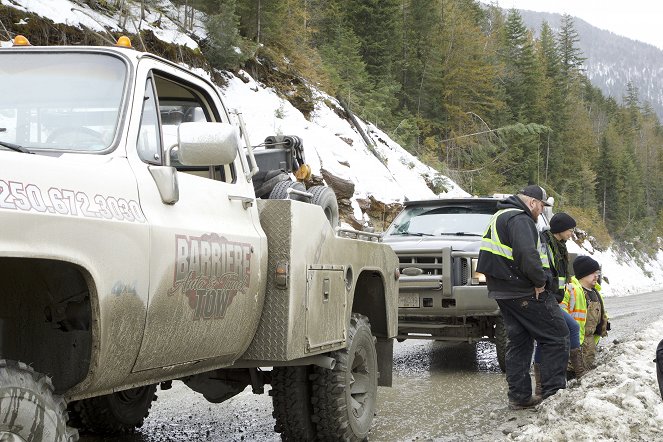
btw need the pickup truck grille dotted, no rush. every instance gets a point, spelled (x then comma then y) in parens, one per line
(433, 266)
(430, 265)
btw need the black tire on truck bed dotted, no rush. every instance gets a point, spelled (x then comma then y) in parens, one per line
(291, 398)
(28, 408)
(344, 398)
(114, 413)
(325, 197)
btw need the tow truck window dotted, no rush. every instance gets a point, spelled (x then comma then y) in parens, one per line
(61, 101)
(180, 103)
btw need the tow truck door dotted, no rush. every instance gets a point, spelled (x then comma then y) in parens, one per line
(206, 247)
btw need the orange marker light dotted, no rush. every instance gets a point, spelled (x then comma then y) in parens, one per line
(20, 40)
(123, 42)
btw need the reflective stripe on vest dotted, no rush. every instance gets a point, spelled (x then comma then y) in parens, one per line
(493, 244)
(544, 253)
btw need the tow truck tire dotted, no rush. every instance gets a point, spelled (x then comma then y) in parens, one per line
(325, 197)
(28, 408)
(114, 413)
(344, 398)
(500, 342)
(659, 366)
(291, 398)
(280, 191)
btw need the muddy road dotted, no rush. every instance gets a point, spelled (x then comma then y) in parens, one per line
(441, 392)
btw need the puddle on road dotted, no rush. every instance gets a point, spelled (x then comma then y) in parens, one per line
(441, 392)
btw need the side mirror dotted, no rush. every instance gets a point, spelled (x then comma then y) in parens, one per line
(207, 144)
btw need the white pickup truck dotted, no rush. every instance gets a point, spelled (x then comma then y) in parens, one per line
(133, 251)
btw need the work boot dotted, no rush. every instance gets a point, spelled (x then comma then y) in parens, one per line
(577, 362)
(532, 402)
(537, 379)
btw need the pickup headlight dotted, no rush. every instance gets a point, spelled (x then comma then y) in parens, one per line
(477, 278)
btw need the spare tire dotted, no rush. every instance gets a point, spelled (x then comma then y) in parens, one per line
(325, 197)
(280, 191)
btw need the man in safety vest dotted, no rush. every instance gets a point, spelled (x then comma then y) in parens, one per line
(512, 261)
(554, 242)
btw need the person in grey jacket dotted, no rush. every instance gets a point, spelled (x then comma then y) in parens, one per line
(513, 261)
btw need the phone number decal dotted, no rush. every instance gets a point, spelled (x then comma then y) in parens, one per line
(29, 197)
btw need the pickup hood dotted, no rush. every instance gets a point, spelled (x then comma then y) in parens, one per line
(406, 244)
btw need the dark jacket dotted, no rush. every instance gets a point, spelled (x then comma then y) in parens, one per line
(518, 277)
(559, 262)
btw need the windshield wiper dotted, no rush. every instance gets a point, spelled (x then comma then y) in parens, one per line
(417, 234)
(460, 234)
(14, 147)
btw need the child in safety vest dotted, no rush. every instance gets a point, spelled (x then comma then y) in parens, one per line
(583, 301)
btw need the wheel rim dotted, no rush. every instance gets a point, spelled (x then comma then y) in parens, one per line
(360, 384)
(10, 437)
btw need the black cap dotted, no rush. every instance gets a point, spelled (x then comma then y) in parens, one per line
(561, 222)
(536, 192)
(584, 265)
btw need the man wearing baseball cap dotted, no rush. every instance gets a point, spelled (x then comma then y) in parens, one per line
(511, 258)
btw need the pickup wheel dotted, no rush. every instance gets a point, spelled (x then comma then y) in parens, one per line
(280, 191)
(344, 398)
(500, 342)
(114, 413)
(28, 408)
(325, 197)
(291, 397)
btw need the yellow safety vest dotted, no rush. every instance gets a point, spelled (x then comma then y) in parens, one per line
(493, 244)
(575, 304)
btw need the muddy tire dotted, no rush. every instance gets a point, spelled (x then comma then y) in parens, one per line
(28, 408)
(325, 197)
(280, 191)
(114, 413)
(291, 397)
(500, 342)
(344, 398)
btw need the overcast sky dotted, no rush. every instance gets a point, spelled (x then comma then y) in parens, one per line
(637, 19)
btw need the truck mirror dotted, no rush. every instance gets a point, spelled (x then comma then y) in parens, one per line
(207, 144)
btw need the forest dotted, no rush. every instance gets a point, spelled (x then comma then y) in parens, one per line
(468, 89)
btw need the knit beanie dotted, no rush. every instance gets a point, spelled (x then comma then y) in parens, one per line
(561, 222)
(584, 265)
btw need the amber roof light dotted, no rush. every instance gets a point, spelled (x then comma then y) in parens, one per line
(123, 42)
(20, 40)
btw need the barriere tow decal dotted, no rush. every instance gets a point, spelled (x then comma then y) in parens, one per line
(210, 271)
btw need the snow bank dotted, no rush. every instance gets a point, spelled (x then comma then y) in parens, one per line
(617, 401)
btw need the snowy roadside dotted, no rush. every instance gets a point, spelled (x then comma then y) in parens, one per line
(617, 401)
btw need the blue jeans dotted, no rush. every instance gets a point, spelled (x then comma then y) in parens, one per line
(528, 319)
(574, 335)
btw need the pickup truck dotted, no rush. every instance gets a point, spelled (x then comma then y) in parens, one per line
(441, 295)
(134, 252)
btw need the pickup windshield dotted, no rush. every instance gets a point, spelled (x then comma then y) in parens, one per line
(60, 101)
(461, 220)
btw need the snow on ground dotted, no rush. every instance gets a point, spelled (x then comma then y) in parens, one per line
(617, 401)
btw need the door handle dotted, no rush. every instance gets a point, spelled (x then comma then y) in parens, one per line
(246, 200)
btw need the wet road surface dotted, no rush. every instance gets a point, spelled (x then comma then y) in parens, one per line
(441, 392)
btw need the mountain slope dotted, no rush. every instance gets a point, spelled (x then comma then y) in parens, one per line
(613, 60)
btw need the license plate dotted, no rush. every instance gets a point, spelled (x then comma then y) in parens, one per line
(409, 300)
